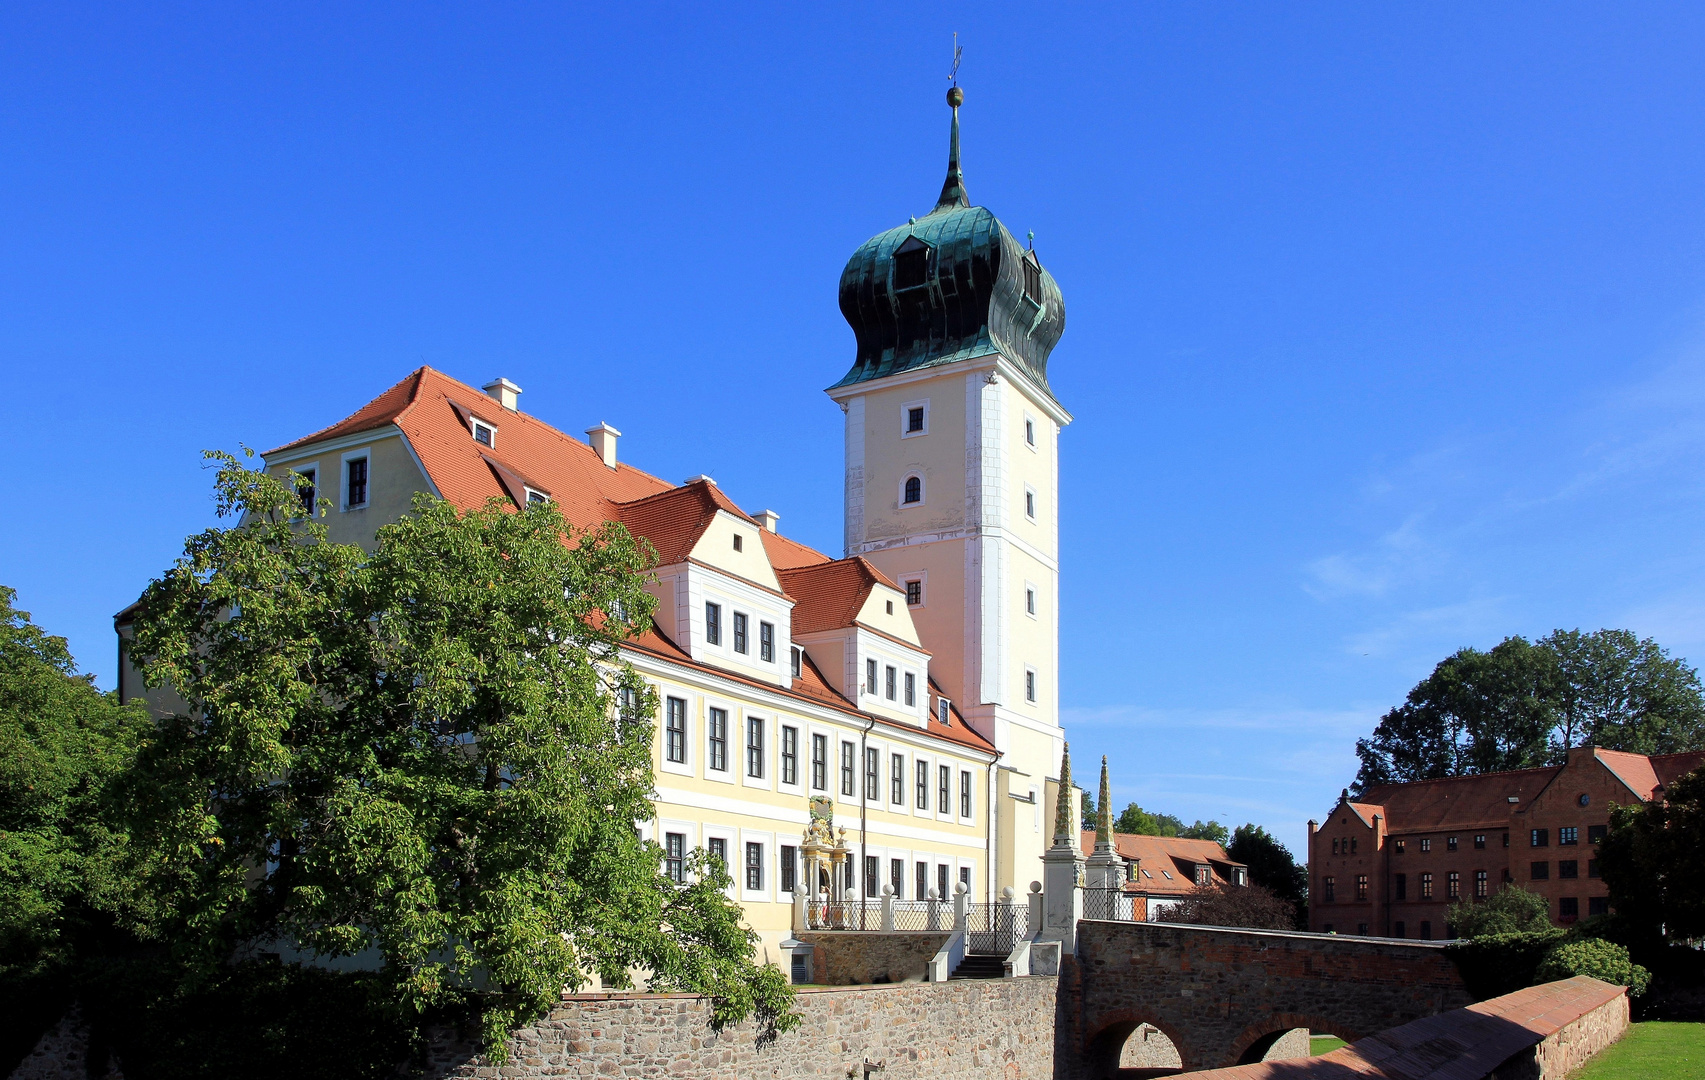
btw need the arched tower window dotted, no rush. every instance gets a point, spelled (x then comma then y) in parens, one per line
(912, 491)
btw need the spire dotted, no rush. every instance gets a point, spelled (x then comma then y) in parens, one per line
(1065, 829)
(1104, 810)
(953, 188)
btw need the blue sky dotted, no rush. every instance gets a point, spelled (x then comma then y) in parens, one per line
(1385, 329)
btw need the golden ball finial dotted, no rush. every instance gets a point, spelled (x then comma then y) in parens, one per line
(955, 97)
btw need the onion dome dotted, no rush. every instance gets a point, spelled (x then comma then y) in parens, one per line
(951, 285)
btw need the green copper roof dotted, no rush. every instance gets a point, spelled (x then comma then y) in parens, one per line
(949, 286)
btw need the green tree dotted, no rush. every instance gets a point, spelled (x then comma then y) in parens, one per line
(1134, 819)
(1511, 910)
(432, 751)
(1523, 704)
(1602, 960)
(1271, 864)
(1653, 862)
(62, 742)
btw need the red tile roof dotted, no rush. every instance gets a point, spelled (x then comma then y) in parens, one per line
(1635, 770)
(1458, 801)
(1672, 767)
(432, 409)
(1176, 854)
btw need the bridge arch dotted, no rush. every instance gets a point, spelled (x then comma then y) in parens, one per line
(1254, 1041)
(1103, 1047)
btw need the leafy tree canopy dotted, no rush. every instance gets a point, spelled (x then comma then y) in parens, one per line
(1653, 862)
(61, 744)
(1603, 960)
(1218, 904)
(430, 752)
(1511, 910)
(1134, 819)
(1270, 863)
(1523, 704)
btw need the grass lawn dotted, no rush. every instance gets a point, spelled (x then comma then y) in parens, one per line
(1323, 1044)
(1651, 1051)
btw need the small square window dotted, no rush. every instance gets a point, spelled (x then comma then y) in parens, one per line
(1539, 838)
(1540, 871)
(1400, 846)
(1598, 905)
(483, 433)
(1568, 836)
(1595, 834)
(1568, 868)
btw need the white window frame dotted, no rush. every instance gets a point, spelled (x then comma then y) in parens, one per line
(771, 759)
(900, 492)
(736, 736)
(680, 768)
(922, 578)
(474, 423)
(1030, 511)
(1032, 687)
(767, 864)
(1032, 440)
(736, 854)
(319, 479)
(801, 754)
(528, 494)
(363, 454)
(905, 415)
(1031, 603)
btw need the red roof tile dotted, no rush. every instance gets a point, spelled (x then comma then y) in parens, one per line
(1672, 767)
(829, 595)
(1635, 770)
(673, 520)
(1454, 801)
(1177, 854)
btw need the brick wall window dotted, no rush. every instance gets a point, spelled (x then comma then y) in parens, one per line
(1362, 929)
(1539, 837)
(1481, 885)
(1568, 909)
(1595, 834)
(1539, 871)
(1598, 905)
(1426, 844)
(1568, 868)
(1361, 887)
(1568, 835)
(1479, 841)
(1328, 888)
(1426, 886)
(1334, 845)
(1453, 885)
(1400, 888)
(1400, 845)
(1450, 843)
(1506, 839)
(1353, 845)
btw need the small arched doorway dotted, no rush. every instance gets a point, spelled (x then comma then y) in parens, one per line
(1131, 1048)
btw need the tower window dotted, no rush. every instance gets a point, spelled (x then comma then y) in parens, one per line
(914, 491)
(911, 267)
(1032, 280)
(1030, 601)
(915, 418)
(1030, 504)
(1029, 686)
(1030, 431)
(890, 607)
(914, 593)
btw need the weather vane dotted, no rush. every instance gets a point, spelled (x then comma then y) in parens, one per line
(953, 75)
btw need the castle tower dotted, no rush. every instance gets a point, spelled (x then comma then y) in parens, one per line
(952, 478)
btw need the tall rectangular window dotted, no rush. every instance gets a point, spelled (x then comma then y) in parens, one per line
(923, 785)
(718, 848)
(1029, 686)
(1482, 887)
(797, 664)
(740, 632)
(819, 763)
(1568, 908)
(1568, 836)
(712, 623)
(897, 877)
(914, 593)
(789, 755)
(357, 482)
(1030, 601)
(872, 874)
(872, 773)
(717, 738)
(915, 418)
(1453, 886)
(754, 747)
(1427, 886)
(944, 804)
(888, 687)
(767, 642)
(1539, 838)
(1361, 886)
(1479, 841)
(675, 856)
(1030, 505)
(1568, 868)
(941, 881)
(1450, 843)
(1329, 888)
(847, 769)
(922, 881)
(911, 689)
(964, 793)
(1426, 844)
(789, 867)
(1400, 887)
(305, 490)
(897, 779)
(870, 677)
(943, 709)
(675, 730)
(1030, 432)
(754, 866)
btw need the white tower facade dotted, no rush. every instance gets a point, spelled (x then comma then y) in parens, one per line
(952, 483)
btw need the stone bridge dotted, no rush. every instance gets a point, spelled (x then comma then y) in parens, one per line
(1224, 996)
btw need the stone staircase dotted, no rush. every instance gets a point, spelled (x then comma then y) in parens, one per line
(980, 966)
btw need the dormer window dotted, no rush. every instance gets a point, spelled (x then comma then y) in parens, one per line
(796, 662)
(911, 264)
(536, 496)
(484, 433)
(1032, 279)
(942, 707)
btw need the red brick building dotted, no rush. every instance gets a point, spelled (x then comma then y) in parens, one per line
(1390, 863)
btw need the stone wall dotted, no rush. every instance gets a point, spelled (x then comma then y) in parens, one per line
(856, 957)
(1568, 1048)
(989, 1029)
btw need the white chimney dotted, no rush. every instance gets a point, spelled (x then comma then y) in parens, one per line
(603, 440)
(503, 392)
(768, 519)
